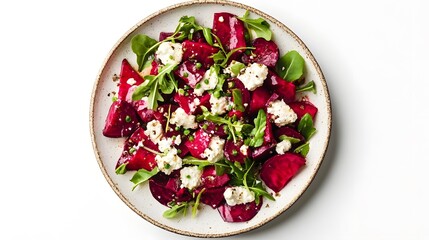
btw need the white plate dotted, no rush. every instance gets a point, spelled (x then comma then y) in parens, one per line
(208, 223)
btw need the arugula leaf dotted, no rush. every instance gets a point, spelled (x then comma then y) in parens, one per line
(259, 26)
(122, 169)
(197, 202)
(305, 126)
(143, 46)
(175, 210)
(303, 149)
(290, 139)
(236, 68)
(142, 176)
(189, 160)
(238, 99)
(188, 26)
(259, 130)
(291, 66)
(164, 81)
(233, 127)
(259, 190)
(307, 87)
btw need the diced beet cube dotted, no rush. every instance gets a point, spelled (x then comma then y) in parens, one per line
(209, 179)
(288, 131)
(265, 52)
(121, 121)
(127, 72)
(212, 128)
(230, 31)
(264, 152)
(236, 113)
(189, 104)
(277, 171)
(199, 143)
(303, 107)
(213, 196)
(142, 159)
(154, 69)
(258, 100)
(234, 153)
(189, 73)
(240, 212)
(201, 52)
(166, 188)
(285, 89)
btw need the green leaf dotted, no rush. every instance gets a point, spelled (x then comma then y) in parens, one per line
(143, 46)
(307, 87)
(259, 190)
(238, 99)
(207, 32)
(176, 210)
(122, 169)
(305, 126)
(259, 26)
(236, 68)
(197, 202)
(303, 149)
(142, 176)
(259, 130)
(291, 66)
(218, 57)
(290, 139)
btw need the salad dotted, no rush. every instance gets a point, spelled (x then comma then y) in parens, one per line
(211, 116)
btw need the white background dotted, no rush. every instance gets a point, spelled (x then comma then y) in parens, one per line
(372, 185)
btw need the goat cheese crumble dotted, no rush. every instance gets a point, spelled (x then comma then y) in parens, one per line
(238, 195)
(281, 113)
(283, 146)
(169, 161)
(154, 130)
(180, 118)
(190, 177)
(253, 76)
(214, 152)
(169, 53)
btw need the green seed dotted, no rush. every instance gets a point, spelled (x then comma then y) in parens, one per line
(216, 94)
(188, 176)
(198, 65)
(186, 132)
(186, 87)
(167, 166)
(198, 86)
(179, 151)
(177, 128)
(185, 75)
(132, 150)
(231, 84)
(205, 126)
(181, 91)
(128, 119)
(234, 152)
(206, 81)
(191, 138)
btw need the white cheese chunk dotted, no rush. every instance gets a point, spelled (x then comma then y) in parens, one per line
(169, 161)
(169, 53)
(180, 118)
(154, 130)
(283, 146)
(243, 149)
(190, 177)
(208, 82)
(281, 113)
(214, 152)
(238, 195)
(254, 76)
(218, 105)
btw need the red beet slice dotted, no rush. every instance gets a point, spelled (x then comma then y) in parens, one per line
(233, 153)
(303, 107)
(188, 104)
(121, 121)
(230, 31)
(142, 159)
(164, 35)
(288, 131)
(264, 152)
(245, 95)
(268, 135)
(209, 179)
(154, 69)
(199, 144)
(127, 72)
(258, 100)
(212, 128)
(189, 73)
(198, 51)
(285, 89)
(277, 171)
(265, 52)
(213, 196)
(166, 189)
(239, 213)
(236, 113)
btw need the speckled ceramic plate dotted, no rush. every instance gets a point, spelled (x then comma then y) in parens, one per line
(208, 223)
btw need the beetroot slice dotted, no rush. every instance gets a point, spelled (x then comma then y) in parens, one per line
(277, 171)
(212, 128)
(264, 152)
(286, 90)
(288, 131)
(265, 52)
(166, 189)
(245, 94)
(188, 104)
(127, 72)
(198, 51)
(239, 213)
(268, 135)
(258, 100)
(189, 73)
(199, 144)
(230, 31)
(209, 179)
(121, 121)
(303, 107)
(213, 196)
(233, 153)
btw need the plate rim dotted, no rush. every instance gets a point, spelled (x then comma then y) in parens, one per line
(265, 16)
